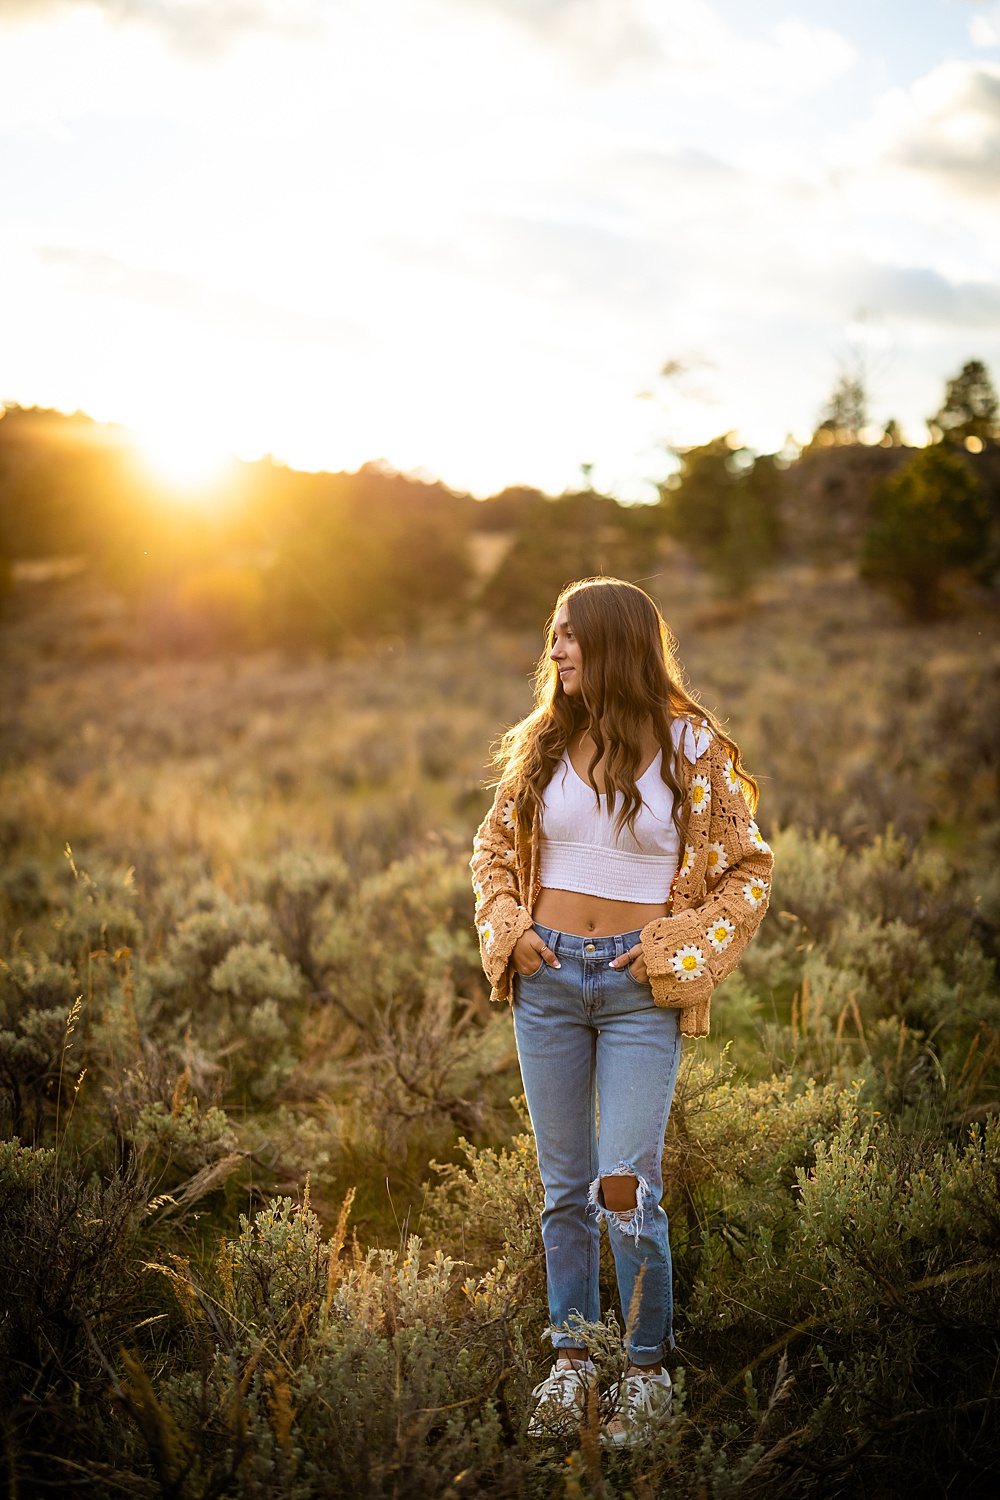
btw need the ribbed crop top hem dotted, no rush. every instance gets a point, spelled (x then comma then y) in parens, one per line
(615, 874)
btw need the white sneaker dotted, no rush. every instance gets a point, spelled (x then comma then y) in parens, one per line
(561, 1399)
(640, 1399)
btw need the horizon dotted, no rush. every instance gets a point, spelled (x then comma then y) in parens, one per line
(191, 470)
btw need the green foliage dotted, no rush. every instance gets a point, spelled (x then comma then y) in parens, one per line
(875, 1262)
(182, 1137)
(97, 915)
(559, 540)
(930, 518)
(301, 889)
(39, 1007)
(726, 512)
(50, 467)
(489, 1208)
(377, 553)
(275, 558)
(970, 405)
(321, 1374)
(68, 1262)
(203, 939)
(255, 984)
(846, 412)
(404, 929)
(868, 954)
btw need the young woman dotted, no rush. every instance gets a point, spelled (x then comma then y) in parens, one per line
(618, 877)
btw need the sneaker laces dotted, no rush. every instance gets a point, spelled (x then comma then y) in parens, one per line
(566, 1377)
(637, 1399)
(561, 1396)
(647, 1394)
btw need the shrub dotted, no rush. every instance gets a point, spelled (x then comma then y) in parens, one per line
(202, 940)
(98, 915)
(322, 1374)
(405, 542)
(405, 930)
(572, 536)
(184, 1139)
(970, 405)
(301, 890)
(830, 1177)
(24, 890)
(931, 518)
(68, 1247)
(39, 1051)
(257, 986)
(726, 512)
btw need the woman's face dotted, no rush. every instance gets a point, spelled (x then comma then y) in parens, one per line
(566, 653)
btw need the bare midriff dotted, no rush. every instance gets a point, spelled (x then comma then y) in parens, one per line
(592, 916)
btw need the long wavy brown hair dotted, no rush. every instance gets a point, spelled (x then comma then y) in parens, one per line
(629, 676)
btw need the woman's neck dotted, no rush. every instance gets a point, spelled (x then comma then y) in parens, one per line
(581, 749)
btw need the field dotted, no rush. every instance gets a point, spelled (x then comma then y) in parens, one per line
(269, 1203)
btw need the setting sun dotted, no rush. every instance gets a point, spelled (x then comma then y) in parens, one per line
(184, 462)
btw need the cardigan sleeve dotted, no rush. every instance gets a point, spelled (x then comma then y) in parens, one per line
(688, 953)
(500, 917)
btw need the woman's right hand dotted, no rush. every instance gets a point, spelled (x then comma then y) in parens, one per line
(530, 953)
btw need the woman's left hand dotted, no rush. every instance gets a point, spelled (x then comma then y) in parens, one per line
(635, 961)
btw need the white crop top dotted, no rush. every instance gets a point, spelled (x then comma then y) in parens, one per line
(581, 851)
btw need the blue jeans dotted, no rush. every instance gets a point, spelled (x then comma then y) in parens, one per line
(587, 1033)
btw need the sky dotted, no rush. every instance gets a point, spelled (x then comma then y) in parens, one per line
(467, 236)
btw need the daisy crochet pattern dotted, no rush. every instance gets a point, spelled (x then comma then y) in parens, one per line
(720, 894)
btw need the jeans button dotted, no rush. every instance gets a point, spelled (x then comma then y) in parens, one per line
(590, 948)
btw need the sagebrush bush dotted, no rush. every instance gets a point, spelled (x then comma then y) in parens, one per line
(69, 1266)
(302, 891)
(184, 1138)
(322, 1374)
(38, 1046)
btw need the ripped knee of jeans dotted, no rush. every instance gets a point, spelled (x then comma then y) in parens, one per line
(628, 1220)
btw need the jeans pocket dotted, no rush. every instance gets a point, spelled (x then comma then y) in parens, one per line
(527, 978)
(640, 984)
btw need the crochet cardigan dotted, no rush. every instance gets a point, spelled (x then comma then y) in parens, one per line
(719, 895)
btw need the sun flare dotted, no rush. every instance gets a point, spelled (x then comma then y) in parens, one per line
(184, 462)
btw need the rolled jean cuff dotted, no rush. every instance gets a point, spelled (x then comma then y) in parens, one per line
(653, 1356)
(567, 1336)
(566, 1340)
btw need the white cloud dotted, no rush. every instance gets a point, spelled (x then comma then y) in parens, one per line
(921, 295)
(238, 314)
(202, 27)
(603, 33)
(687, 42)
(946, 127)
(984, 29)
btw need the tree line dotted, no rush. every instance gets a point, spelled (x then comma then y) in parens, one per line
(271, 555)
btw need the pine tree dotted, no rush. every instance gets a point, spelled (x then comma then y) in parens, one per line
(970, 406)
(726, 511)
(931, 518)
(846, 412)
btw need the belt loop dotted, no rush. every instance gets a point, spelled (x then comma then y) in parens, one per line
(552, 941)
